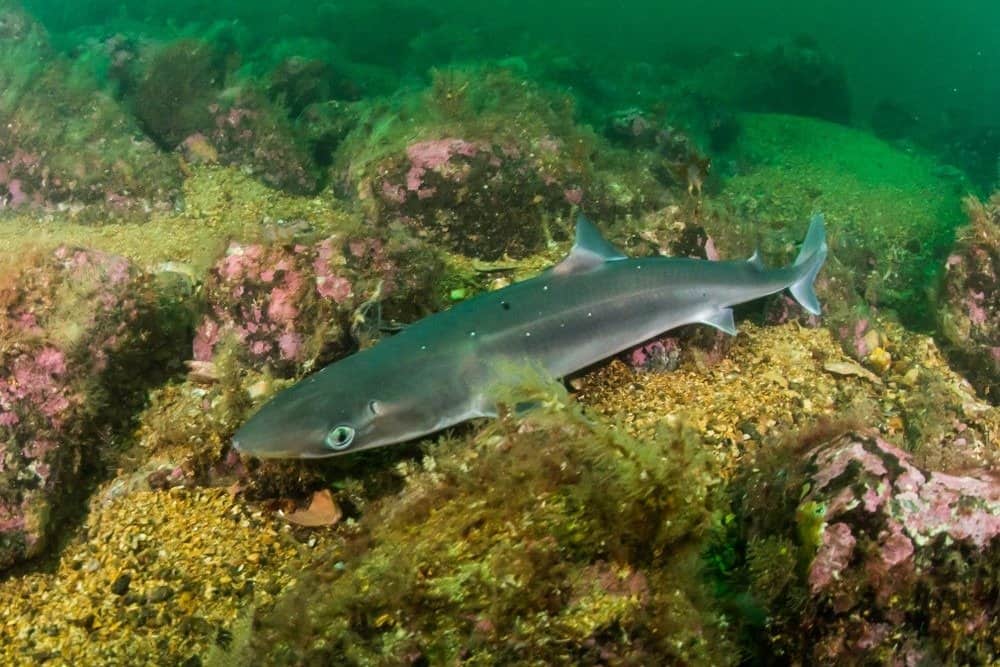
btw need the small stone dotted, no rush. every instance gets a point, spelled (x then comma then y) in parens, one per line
(121, 584)
(259, 389)
(160, 594)
(872, 339)
(880, 359)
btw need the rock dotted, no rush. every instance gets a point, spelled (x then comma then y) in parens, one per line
(968, 309)
(186, 99)
(82, 338)
(284, 306)
(478, 197)
(467, 172)
(160, 594)
(121, 584)
(859, 555)
(633, 128)
(249, 131)
(297, 83)
(63, 144)
(179, 83)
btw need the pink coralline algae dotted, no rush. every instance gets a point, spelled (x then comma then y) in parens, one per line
(433, 156)
(906, 504)
(256, 137)
(477, 197)
(891, 539)
(50, 381)
(278, 304)
(662, 354)
(96, 161)
(969, 297)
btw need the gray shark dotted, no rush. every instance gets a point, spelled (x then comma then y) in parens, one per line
(443, 369)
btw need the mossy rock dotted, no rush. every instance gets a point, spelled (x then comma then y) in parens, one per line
(552, 540)
(890, 215)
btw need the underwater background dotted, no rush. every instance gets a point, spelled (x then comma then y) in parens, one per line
(201, 203)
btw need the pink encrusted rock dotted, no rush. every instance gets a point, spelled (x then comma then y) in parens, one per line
(660, 354)
(885, 543)
(478, 197)
(282, 306)
(66, 146)
(78, 326)
(897, 506)
(833, 556)
(969, 298)
(253, 134)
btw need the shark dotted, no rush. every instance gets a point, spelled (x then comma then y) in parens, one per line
(444, 369)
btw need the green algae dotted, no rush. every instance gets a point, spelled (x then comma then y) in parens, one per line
(552, 539)
(891, 215)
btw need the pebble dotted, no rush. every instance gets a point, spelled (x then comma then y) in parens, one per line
(160, 594)
(120, 585)
(152, 561)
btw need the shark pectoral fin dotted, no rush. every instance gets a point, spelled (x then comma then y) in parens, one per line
(721, 319)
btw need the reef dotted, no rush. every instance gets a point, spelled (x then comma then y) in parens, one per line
(195, 217)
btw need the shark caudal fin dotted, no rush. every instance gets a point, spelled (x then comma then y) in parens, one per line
(811, 257)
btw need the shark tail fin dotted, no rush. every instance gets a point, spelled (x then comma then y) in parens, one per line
(811, 258)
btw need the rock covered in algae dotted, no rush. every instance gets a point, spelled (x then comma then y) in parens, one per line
(969, 299)
(859, 555)
(476, 160)
(64, 144)
(81, 335)
(282, 304)
(549, 540)
(890, 215)
(186, 98)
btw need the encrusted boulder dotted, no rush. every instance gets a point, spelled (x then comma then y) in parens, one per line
(81, 338)
(481, 159)
(859, 555)
(64, 145)
(478, 197)
(287, 306)
(186, 99)
(968, 311)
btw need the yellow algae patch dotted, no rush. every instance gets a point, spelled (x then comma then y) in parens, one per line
(156, 578)
(219, 204)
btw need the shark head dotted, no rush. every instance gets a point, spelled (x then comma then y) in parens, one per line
(317, 418)
(337, 411)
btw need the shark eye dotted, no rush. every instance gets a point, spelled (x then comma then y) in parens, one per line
(339, 437)
(375, 407)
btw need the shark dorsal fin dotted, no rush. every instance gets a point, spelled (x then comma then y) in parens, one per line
(755, 259)
(590, 250)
